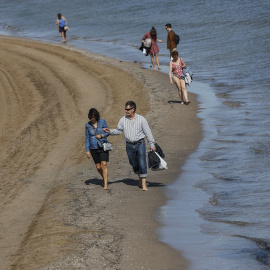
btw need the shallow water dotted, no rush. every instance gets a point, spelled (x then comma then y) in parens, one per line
(218, 208)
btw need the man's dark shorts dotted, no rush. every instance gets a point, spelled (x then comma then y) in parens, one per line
(61, 29)
(99, 155)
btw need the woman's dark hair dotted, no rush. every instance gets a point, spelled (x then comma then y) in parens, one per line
(59, 15)
(93, 112)
(175, 53)
(153, 33)
(132, 105)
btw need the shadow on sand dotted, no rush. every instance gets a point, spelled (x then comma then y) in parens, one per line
(127, 181)
(93, 181)
(174, 101)
(133, 182)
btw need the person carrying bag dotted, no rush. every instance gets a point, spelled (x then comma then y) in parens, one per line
(97, 145)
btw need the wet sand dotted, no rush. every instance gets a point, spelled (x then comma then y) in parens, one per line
(54, 213)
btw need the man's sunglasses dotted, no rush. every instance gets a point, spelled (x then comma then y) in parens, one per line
(129, 109)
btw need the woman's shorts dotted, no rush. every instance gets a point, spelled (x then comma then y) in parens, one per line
(61, 29)
(99, 155)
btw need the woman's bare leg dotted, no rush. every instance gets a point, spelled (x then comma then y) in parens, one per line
(99, 169)
(105, 173)
(184, 90)
(157, 62)
(178, 85)
(63, 36)
(152, 60)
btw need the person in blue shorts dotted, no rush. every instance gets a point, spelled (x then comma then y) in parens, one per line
(61, 22)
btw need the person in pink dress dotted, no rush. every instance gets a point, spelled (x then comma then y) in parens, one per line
(152, 34)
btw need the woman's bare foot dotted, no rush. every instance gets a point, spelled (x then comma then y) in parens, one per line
(105, 184)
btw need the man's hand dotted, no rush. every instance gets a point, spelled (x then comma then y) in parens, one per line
(106, 130)
(153, 149)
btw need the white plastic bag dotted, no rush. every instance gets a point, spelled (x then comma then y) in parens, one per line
(188, 79)
(163, 164)
(147, 43)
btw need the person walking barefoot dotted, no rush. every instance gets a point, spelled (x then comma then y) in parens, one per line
(135, 128)
(176, 77)
(94, 138)
(154, 50)
(61, 22)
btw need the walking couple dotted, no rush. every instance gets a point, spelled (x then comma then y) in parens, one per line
(135, 128)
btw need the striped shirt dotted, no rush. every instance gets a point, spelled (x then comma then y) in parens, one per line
(134, 130)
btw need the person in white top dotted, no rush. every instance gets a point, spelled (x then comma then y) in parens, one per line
(135, 128)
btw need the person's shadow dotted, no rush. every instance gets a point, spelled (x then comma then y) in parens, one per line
(127, 181)
(133, 182)
(93, 181)
(173, 101)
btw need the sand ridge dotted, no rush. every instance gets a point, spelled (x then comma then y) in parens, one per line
(53, 211)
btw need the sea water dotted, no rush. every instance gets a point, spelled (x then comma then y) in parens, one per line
(218, 209)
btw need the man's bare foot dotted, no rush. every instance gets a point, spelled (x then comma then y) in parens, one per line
(144, 186)
(106, 188)
(159, 68)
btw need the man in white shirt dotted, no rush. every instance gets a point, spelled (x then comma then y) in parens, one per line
(135, 128)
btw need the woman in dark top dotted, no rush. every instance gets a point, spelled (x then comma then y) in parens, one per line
(95, 136)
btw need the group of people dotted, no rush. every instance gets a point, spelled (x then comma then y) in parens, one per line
(176, 64)
(135, 128)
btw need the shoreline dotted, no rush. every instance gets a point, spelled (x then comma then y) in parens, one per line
(73, 221)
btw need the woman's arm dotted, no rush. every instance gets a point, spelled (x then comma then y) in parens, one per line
(170, 72)
(57, 24)
(87, 142)
(65, 20)
(183, 63)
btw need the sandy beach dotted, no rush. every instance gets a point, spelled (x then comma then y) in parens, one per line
(54, 213)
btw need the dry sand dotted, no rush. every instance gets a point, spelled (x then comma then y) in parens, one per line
(54, 213)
